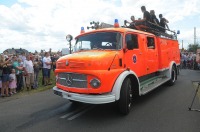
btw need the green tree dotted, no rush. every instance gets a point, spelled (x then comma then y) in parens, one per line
(193, 47)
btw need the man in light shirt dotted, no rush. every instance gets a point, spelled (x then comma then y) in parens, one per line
(47, 68)
(29, 72)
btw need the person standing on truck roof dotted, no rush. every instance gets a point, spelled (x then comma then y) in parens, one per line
(143, 22)
(163, 23)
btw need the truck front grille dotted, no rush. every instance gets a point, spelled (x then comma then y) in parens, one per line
(72, 80)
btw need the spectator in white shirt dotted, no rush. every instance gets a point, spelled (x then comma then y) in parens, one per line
(29, 72)
(47, 68)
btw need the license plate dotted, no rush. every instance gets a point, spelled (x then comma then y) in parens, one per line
(58, 93)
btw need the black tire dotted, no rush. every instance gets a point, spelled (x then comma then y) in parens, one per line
(126, 97)
(178, 70)
(173, 76)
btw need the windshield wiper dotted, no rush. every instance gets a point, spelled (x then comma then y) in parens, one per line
(83, 49)
(96, 47)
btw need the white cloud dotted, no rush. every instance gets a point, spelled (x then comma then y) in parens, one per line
(41, 24)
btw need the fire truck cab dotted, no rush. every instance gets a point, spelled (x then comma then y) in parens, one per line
(116, 65)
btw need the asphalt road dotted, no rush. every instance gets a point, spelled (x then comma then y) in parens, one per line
(163, 110)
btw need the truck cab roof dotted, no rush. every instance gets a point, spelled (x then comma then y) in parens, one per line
(122, 30)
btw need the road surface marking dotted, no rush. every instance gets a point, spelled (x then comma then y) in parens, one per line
(80, 113)
(74, 112)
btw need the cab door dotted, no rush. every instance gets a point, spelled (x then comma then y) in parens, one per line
(151, 55)
(134, 56)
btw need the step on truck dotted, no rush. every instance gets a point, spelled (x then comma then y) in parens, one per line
(116, 64)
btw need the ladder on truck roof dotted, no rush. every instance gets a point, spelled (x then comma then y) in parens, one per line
(153, 28)
(149, 29)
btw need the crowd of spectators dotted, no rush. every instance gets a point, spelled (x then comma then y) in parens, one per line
(188, 61)
(20, 71)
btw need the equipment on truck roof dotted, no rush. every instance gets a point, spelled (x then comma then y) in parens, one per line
(152, 28)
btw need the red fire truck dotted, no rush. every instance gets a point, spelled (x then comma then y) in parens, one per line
(117, 64)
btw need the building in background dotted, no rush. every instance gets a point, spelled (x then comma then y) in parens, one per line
(16, 51)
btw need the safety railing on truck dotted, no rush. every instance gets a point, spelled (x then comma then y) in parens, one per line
(151, 28)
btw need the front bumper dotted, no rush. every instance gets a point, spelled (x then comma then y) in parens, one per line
(85, 98)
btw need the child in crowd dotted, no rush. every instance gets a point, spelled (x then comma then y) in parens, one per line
(13, 82)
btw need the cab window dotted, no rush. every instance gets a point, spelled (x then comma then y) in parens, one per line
(150, 43)
(99, 40)
(132, 40)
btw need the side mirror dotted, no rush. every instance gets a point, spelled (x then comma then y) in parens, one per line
(178, 32)
(69, 38)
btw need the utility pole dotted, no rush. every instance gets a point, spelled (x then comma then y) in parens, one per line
(195, 37)
(182, 44)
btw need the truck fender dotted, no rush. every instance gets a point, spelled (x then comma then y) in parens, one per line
(118, 83)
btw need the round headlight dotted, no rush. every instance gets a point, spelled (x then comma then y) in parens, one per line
(69, 38)
(95, 83)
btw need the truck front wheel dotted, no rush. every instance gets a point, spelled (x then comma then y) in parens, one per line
(173, 76)
(126, 97)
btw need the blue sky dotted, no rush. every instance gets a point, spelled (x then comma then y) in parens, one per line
(7, 3)
(42, 24)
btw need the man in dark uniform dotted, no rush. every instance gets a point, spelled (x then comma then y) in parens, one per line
(143, 23)
(163, 23)
(154, 21)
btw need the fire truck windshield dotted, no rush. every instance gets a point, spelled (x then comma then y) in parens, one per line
(99, 40)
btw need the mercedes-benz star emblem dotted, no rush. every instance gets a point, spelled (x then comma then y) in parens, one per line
(69, 80)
